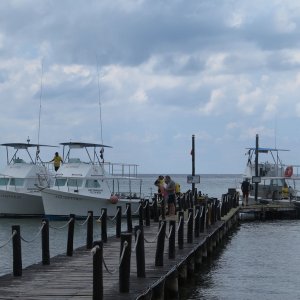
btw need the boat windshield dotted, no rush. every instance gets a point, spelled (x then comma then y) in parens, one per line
(74, 182)
(4, 181)
(16, 181)
(92, 183)
(60, 181)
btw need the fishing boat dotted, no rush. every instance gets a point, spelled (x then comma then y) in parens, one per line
(20, 180)
(271, 181)
(86, 183)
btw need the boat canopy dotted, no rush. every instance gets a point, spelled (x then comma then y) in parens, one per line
(24, 145)
(83, 145)
(266, 150)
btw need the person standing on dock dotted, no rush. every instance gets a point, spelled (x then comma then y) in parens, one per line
(170, 189)
(57, 160)
(159, 182)
(245, 190)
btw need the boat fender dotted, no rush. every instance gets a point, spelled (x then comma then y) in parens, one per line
(288, 171)
(114, 199)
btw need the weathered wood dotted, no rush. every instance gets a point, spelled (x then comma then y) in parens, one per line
(72, 277)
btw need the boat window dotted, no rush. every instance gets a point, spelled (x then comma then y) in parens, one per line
(74, 160)
(60, 182)
(92, 183)
(74, 182)
(4, 181)
(16, 181)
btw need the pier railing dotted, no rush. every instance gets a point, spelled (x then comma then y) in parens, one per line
(196, 214)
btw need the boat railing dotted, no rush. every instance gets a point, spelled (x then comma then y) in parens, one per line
(120, 169)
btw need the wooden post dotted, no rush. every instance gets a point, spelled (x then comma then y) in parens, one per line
(171, 286)
(104, 225)
(181, 230)
(45, 243)
(128, 217)
(160, 246)
(119, 221)
(190, 226)
(172, 228)
(202, 220)
(124, 269)
(141, 211)
(17, 251)
(90, 227)
(155, 210)
(147, 213)
(140, 251)
(197, 221)
(98, 271)
(193, 161)
(70, 235)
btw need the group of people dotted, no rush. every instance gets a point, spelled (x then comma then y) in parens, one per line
(167, 190)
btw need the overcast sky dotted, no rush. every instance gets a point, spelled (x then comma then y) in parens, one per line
(159, 72)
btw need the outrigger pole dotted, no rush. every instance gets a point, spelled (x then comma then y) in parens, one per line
(256, 167)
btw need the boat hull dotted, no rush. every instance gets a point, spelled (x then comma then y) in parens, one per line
(21, 204)
(59, 204)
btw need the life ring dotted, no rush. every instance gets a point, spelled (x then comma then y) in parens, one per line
(114, 199)
(288, 171)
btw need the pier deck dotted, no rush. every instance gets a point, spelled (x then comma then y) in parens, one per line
(72, 277)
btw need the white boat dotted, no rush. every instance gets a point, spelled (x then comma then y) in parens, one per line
(91, 184)
(275, 181)
(20, 179)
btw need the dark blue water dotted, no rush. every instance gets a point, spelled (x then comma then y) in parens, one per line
(260, 260)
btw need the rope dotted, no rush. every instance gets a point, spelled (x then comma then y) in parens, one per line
(149, 242)
(188, 218)
(137, 209)
(112, 219)
(170, 231)
(125, 212)
(179, 223)
(37, 234)
(100, 218)
(63, 226)
(120, 261)
(81, 224)
(146, 204)
(137, 239)
(13, 234)
(196, 215)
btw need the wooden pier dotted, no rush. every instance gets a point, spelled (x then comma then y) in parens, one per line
(72, 277)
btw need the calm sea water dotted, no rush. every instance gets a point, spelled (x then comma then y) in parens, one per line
(260, 260)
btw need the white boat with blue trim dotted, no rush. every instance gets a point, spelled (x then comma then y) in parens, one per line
(86, 183)
(20, 179)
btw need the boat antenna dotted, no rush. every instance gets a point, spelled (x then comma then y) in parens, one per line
(40, 111)
(100, 112)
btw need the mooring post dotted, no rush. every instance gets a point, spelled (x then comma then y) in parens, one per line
(160, 246)
(190, 226)
(163, 208)
(172, 229)
(140, 251)
(70, 235)
(104, 225)
(118, 221)
(124, 268)
(202, 219)
(45, 243)
(17, 251)
(180, 229)
(141, 211)
(89, 232)
(147, 213)
(129, 217)
(155, 210)
(197, 221)
(98, 271)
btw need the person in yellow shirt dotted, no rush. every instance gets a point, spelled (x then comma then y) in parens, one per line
(57, 160)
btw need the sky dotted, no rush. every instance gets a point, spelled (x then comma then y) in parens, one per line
(145, 76)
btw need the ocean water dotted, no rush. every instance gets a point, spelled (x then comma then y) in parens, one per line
(260, 260)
